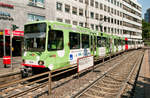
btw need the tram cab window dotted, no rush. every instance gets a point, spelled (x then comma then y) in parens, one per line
(55, 40)
(74, 40)
(85, 41)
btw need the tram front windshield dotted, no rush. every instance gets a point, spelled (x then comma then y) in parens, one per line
(35, 37)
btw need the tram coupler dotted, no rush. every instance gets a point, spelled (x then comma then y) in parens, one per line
(26, 71)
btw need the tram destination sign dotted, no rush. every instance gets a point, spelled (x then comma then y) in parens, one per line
(85, 62)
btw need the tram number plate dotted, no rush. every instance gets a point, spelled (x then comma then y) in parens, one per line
(30, 62)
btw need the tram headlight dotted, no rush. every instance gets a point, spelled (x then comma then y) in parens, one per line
(41, 62)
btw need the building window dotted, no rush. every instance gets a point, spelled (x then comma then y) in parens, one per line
(92, 2)
(96, 27)
(108, 29)
(112, 31)
(112, 21)
(81, 12)
(115, 11)
(59, 6)
(67, 21)
(59, 20)
(108, 9)
(112, 10)
(74, 10)
(115, 21)
(115, 2)
(67, 8)
(92, 15)
(81, 24)
(75, 23)
(108, 19)
(112, 1)
(81, 1)
(105, 8)
(118, 13)
(87, 2)
(101, 17)
(92, 26)
(96, 16)
(33, 17)
(38, 3)
(105, 18)
(101, 6)
(96, 4)
(118, 22)
(105, 29)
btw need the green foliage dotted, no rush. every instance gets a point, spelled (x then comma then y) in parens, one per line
(145, 30)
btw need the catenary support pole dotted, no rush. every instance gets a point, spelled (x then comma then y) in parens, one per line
(11, 32)
(4, 45)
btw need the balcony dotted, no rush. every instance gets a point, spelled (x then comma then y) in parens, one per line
(36, 4)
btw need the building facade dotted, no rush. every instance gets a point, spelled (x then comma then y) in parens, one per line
(115, 17)
(147, 15)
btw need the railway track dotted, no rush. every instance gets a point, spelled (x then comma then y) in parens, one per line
(9, 77)
(37, 88)
(114, 81)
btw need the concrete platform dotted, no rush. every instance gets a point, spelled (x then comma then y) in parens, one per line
(16, 63)
(142, 89)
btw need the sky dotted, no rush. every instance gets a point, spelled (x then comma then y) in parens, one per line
(145, 5)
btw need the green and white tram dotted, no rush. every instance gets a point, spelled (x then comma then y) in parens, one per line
(53, 45)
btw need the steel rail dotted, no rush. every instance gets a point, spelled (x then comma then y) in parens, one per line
(91, 69)
(10, 74)
(46, 73)
(22, 80)
(27, 85)
(24, 85)
(99, 78)
(137, 63)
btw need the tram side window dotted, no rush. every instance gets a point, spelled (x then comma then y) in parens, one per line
(124, 42)
(98, 41)
(74, 39)
(116, 42)
(55, 40)
(101, 41)
(85, 41)
(119, 42)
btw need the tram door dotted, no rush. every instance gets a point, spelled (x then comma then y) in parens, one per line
(93, 44)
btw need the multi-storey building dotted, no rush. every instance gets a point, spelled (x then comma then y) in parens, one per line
(115, 17)
(147, 15)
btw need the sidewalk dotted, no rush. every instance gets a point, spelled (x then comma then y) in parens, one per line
(16, 63)
(142, 89)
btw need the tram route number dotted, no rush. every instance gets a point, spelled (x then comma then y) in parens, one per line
(85, 62)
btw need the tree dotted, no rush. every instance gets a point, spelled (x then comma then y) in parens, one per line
(145, 30)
